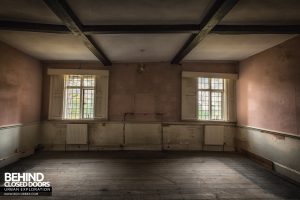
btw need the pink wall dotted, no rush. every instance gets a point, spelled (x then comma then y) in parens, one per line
(20, 87)
(268, 91)
(157, 90)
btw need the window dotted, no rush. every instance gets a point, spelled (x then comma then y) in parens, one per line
(79, 95)
(210, 98)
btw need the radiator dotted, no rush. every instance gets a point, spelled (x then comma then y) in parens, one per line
(76, 134)
(214, 135)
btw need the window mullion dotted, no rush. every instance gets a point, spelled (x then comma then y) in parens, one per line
(210, 106)
(210, 90)
(95, 95)
(64, 113)
(222, 103)
(197, 100)
(81, 97)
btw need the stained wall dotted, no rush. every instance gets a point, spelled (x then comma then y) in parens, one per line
(156, 90)
(268, 89)
(20, 104)
(20, 87)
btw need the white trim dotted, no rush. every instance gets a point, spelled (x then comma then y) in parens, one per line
(76, 72)
(285, 171)
(50, 98)
(189, 74)
(287, 168)
(269, 131)
(55, 78)
(19, 125)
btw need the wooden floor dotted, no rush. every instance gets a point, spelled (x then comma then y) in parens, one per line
(154, 175)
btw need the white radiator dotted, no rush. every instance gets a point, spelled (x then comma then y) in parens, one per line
(214, 135)
(76, 134)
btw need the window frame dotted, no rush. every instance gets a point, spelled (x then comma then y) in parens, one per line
(82, 88)
(210, 90)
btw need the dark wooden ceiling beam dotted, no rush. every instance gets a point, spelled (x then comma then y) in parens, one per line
(68, 17)
(191, 28)
(33, 27)
(132, 29)
(216, 13)
(256, 29)
(145, 29)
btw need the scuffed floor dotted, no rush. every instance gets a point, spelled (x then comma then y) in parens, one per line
(150, 175)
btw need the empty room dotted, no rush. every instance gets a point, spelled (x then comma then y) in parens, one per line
(149, 99)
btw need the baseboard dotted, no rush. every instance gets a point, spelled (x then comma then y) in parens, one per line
(268, 164)
(285, 171)
(14, 157)
(9, 159)
(18, 141)
(281, 170)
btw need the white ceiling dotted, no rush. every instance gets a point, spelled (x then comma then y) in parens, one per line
(140, 11)
(157, 47)
(48, 46)
(265, 12)
(233, 47)
(141, 47)
(28, 11)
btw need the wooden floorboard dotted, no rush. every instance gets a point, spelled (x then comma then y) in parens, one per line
(139, 175)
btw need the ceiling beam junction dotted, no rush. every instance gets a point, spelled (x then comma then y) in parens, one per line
(68, 17)
(216, 13)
